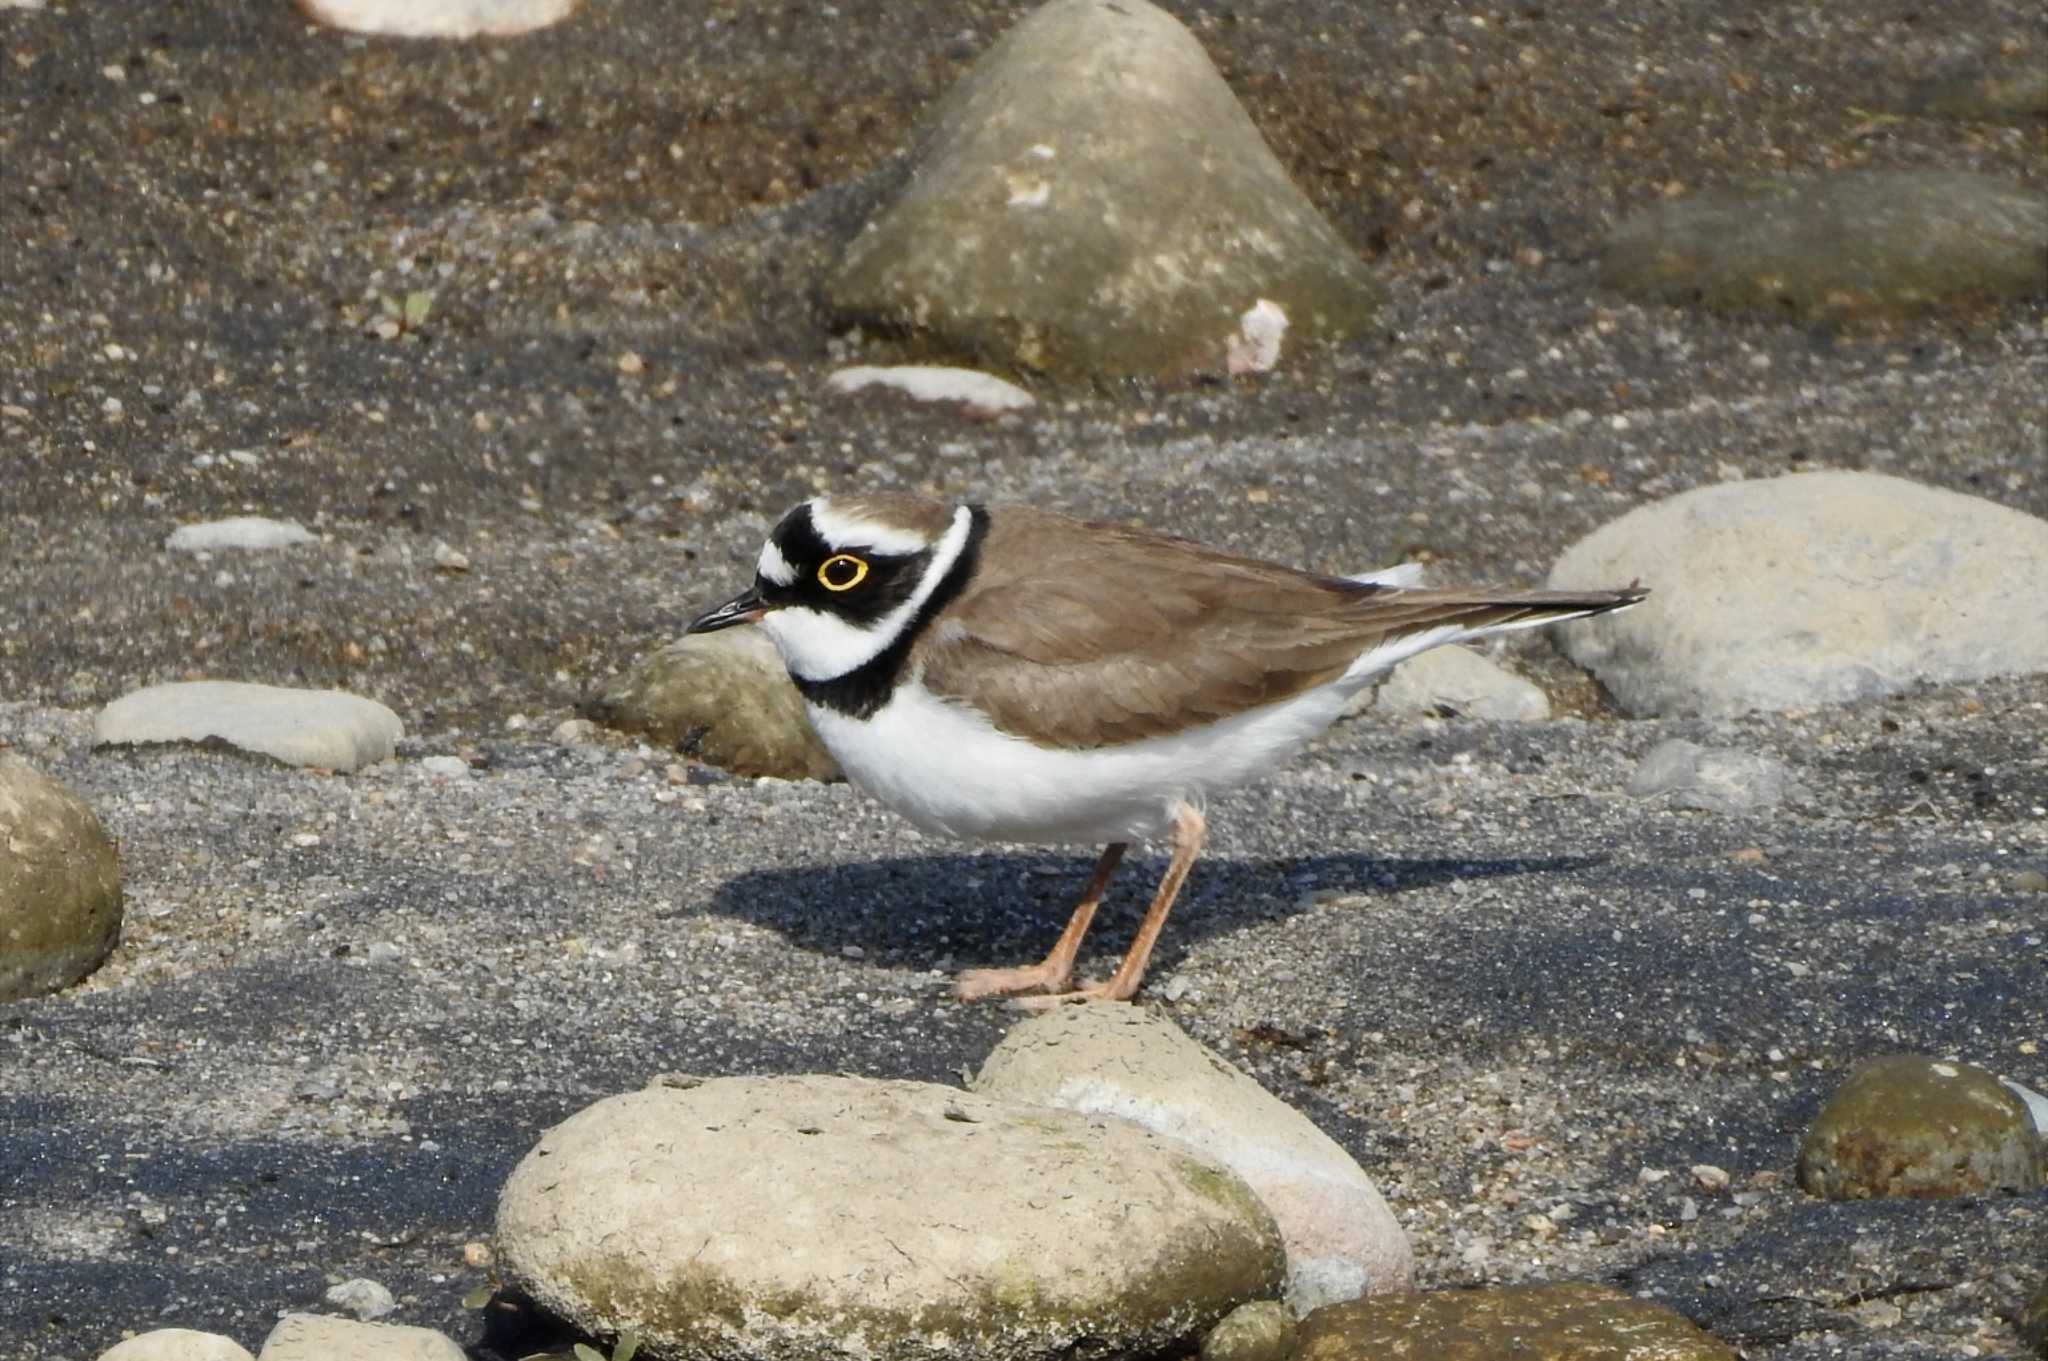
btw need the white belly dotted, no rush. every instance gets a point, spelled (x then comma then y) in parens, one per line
(948, 770)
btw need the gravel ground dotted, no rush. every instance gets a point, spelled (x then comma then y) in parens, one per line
(1529, 1005)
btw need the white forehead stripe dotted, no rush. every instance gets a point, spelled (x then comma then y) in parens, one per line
(849, 531)
(819, 646)
(774, 566)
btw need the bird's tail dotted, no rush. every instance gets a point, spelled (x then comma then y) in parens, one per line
(1414, 621)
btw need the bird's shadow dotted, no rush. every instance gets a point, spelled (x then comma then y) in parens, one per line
(1008, 906)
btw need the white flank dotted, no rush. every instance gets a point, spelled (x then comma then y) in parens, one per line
(818, 646)
(945, 767)
(774, 566)
(935, 383)
(1404, 575)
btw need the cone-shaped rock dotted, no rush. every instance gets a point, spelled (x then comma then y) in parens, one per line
(1091, 199)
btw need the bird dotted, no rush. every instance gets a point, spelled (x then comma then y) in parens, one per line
(1013, 674)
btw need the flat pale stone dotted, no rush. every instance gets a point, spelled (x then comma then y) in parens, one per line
(934, 383)
(439, 18)
(1091, 200)
(60, 884)
(788, 1218)
(725, 697)
(177, 1344)
(250, 533)
(1101, 1059)
(1715, 779)
(327, 728)
(1462, 681)
(1554, 1321)
(321, 1337)
(1815, 588)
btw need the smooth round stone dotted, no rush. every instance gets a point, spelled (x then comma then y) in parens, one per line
(1462, 682)
(1559, 1321)
(1907, 1125)
(1837, 243)
(439, 18)
(60, 885)
(330, 729)
(983, 392)
(322, 1337)
(725, 697)
(248, 533)
(1263, 1330)
(2033, 1322)
(811, 1216)
(1342, 1239)
(1090, 200)
(1715, 779)
(2017, 96)
(177, 1344)
(1814, 588)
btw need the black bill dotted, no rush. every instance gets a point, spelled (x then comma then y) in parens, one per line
(743, 608)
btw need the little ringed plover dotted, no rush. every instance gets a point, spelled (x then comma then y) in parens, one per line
(1004, 673)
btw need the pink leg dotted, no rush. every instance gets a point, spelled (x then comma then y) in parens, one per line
(1053, 973)
(1189, 827)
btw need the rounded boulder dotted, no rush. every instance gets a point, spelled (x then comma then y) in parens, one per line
(817, 1217)
(60, 885)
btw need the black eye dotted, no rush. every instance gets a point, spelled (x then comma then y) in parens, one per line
(842, 572)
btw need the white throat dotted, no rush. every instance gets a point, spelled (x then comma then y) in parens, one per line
(819, 646)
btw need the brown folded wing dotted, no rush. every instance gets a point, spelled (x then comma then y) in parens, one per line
(1091, 635)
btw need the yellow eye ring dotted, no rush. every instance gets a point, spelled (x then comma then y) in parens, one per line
(842, 572)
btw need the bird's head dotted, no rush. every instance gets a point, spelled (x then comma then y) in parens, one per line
(840, 581)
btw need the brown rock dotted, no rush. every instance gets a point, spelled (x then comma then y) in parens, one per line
(1091, 200)
(1560, 1321)
(724, 697)
(1907, 1125)
(60, 885)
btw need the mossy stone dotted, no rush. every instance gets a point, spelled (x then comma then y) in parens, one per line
(1837, 245)
(1558, 1321)
(1263, 1330)
(60, 885)
(1908, 1125)
(724, 697)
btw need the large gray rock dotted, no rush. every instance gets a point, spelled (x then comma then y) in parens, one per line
(725, 697)
(327, 728)
(1091, 199)
(60, 885)
(1342, 1240)
(818, 1217)
(1815, 588)
(1839, 243)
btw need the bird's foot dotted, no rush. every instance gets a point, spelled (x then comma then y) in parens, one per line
(1107, 991)
(1041, 977)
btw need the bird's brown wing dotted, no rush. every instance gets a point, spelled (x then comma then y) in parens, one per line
(1081, 635)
